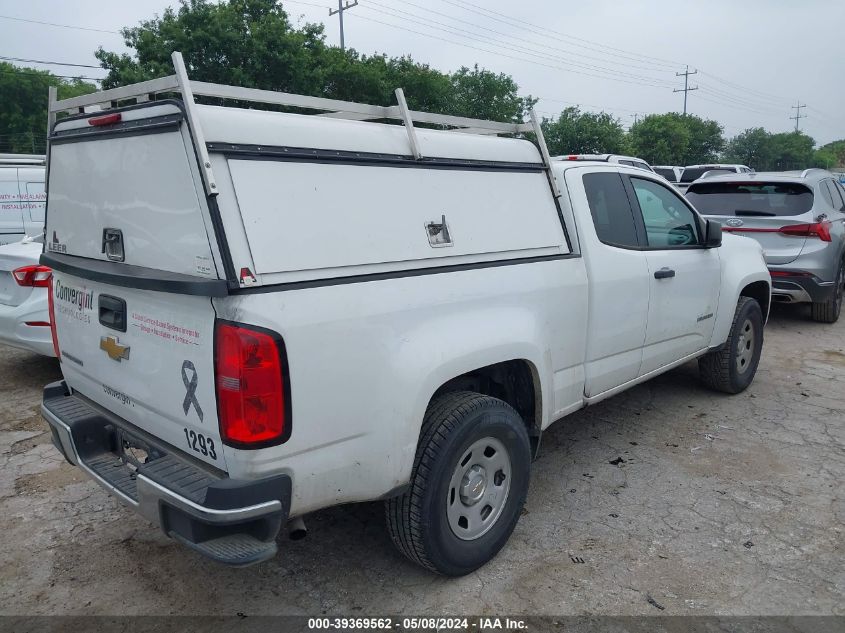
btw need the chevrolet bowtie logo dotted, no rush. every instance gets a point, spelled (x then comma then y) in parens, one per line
(113, 348)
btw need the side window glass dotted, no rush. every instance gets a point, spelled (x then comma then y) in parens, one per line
(669, 222)
(834, 194)
(826, 193)
(837, 188)
(611, 211)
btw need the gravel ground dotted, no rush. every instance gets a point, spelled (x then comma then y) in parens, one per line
(719, 505)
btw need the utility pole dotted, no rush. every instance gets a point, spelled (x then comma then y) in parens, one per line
(798, 116)
(686, 87)
(340, 9)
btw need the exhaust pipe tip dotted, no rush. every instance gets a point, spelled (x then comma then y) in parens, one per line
(296, 529)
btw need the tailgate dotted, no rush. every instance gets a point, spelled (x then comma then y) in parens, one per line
(132, 247)
(158, 374)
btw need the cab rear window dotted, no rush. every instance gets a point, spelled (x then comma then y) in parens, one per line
(750, 199)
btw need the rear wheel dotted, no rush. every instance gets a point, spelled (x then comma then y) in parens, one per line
(731, 369)
(468, 484)
(828, 311)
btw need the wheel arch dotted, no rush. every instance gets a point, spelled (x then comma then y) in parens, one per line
(515, 381)
(761, 292)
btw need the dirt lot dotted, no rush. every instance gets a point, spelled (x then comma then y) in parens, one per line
(719, 505)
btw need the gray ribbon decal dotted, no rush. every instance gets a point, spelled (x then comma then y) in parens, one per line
(190, 389)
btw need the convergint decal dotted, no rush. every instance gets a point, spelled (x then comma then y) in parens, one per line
(77, 303)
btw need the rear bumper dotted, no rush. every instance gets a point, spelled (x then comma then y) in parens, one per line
(801, 288)
(14, 330)
(233, 522)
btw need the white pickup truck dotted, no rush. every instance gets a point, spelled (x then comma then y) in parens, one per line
(260, 314)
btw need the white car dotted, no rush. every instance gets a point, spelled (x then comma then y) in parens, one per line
(24, 315)
(618, 159)
(672, 173)
(284, 312)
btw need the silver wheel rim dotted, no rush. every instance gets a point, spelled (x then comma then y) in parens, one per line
(745, 347)
(478, 489)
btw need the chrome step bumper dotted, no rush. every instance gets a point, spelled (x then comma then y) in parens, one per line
(233, 522)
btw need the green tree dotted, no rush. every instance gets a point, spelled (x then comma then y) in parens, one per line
(753, 147)
(791, 150)
(253, 43)
(676, 139)
(660, 139)
(23, 106)
(249, 43)
(837, 149)
(483, 94)
(576, 132)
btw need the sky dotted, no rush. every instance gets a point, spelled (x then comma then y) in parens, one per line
(754, 59)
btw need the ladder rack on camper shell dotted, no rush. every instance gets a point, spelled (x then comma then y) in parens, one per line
(189, 89)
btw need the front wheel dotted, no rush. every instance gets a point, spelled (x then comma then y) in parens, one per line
(468, 484)
(731, 368)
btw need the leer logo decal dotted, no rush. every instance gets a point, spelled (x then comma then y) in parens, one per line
(111, 346)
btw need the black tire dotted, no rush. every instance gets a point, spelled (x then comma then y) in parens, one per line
(828, 311)
(418, 520)
(726, 369)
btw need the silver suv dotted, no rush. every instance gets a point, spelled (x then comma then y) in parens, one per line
(799, 220)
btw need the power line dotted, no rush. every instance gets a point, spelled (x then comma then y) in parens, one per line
(537, 29)
(798, 116)
(40, 61)
(494, 52)
(686, 89)
(515, 48)
(341, 9)
(48, 75)
(565, 51)
(64, 26)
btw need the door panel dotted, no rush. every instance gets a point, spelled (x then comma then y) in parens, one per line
(619, 282)
(682, 308)
(684, 278)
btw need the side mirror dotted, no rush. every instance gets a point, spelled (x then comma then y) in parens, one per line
(713, 235)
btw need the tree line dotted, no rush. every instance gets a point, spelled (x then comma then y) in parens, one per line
(254, 43)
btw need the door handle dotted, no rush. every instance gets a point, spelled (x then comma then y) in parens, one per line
(664, 273)
(112, 312)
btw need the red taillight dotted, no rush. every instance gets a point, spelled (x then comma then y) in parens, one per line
(106, 119)
(35, 276)
(820, 230)
(52, 311)
(788, 273)
(252, 398)
(572, 157)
